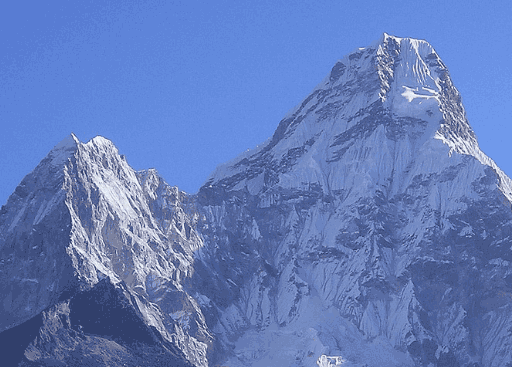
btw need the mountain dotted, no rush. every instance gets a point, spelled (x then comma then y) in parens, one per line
(97, 253)
(370, 226)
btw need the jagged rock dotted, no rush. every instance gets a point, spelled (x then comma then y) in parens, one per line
(84, 215)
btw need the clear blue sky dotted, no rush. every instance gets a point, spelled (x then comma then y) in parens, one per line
(182, 86)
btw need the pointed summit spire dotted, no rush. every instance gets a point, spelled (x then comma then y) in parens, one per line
(396, 90)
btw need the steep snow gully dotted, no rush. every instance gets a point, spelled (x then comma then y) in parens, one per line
(369, 230)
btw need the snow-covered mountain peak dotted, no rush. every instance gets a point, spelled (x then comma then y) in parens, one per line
(68, 146)
(415, 64)
(372, 197)
(82, 219)
(406, 60)
(394, 99)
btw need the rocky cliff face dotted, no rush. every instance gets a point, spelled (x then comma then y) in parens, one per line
(369, 226)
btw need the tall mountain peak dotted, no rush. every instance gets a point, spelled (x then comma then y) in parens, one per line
(366, 197)
(393, 96)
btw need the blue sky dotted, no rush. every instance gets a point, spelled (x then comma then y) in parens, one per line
(182, 86)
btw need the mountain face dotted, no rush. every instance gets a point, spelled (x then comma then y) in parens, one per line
(370, 226)
(101, 252)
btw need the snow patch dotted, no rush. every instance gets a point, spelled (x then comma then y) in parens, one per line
(419, 92)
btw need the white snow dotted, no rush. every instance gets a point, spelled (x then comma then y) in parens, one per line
(411, 93)
(329, 361)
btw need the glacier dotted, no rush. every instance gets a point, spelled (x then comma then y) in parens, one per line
(369, 228)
